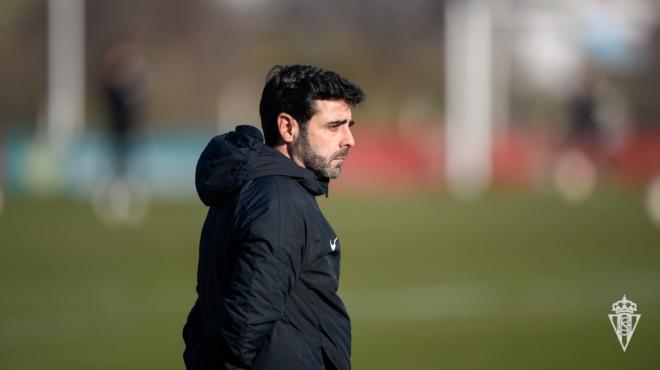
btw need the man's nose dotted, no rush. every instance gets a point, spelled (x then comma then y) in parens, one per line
(347, 139)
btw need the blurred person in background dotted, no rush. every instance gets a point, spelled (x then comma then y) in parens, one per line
(124, 84)
(125, 77)
(583, 120)
(597, 126)
(268, 267)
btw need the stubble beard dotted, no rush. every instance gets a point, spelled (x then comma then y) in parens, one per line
(302, 149)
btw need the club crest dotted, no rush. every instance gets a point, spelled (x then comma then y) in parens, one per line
(624, 320)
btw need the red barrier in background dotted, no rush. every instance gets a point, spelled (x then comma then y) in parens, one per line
(638, 160)
(386, 160)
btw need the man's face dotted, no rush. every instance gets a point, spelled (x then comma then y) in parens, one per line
(325, 140)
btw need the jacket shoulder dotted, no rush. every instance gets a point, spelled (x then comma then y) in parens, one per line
(274, 192)
(273, 188)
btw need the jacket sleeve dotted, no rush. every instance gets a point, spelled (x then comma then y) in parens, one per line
(268, 264)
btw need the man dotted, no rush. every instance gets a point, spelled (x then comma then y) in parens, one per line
(268, 267)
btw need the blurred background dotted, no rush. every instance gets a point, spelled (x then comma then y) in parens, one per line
(503, 193)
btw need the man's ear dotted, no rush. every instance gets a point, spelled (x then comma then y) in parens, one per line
(288, 127)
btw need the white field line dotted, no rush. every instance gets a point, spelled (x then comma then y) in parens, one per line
(586, 296)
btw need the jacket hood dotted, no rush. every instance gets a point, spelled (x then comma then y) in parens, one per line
(232, 159)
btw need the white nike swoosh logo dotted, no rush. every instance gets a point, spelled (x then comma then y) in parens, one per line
(333, 244)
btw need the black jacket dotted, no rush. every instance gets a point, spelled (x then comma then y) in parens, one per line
(268, 267)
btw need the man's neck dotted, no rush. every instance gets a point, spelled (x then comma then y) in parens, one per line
(286, 150)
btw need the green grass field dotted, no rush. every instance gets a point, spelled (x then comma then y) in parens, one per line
(510, 282)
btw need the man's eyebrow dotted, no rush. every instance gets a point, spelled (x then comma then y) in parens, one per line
(341, 122)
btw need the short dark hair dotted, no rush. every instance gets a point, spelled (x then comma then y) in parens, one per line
(293, 89)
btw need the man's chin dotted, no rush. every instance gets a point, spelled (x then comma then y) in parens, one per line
(333, 173)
